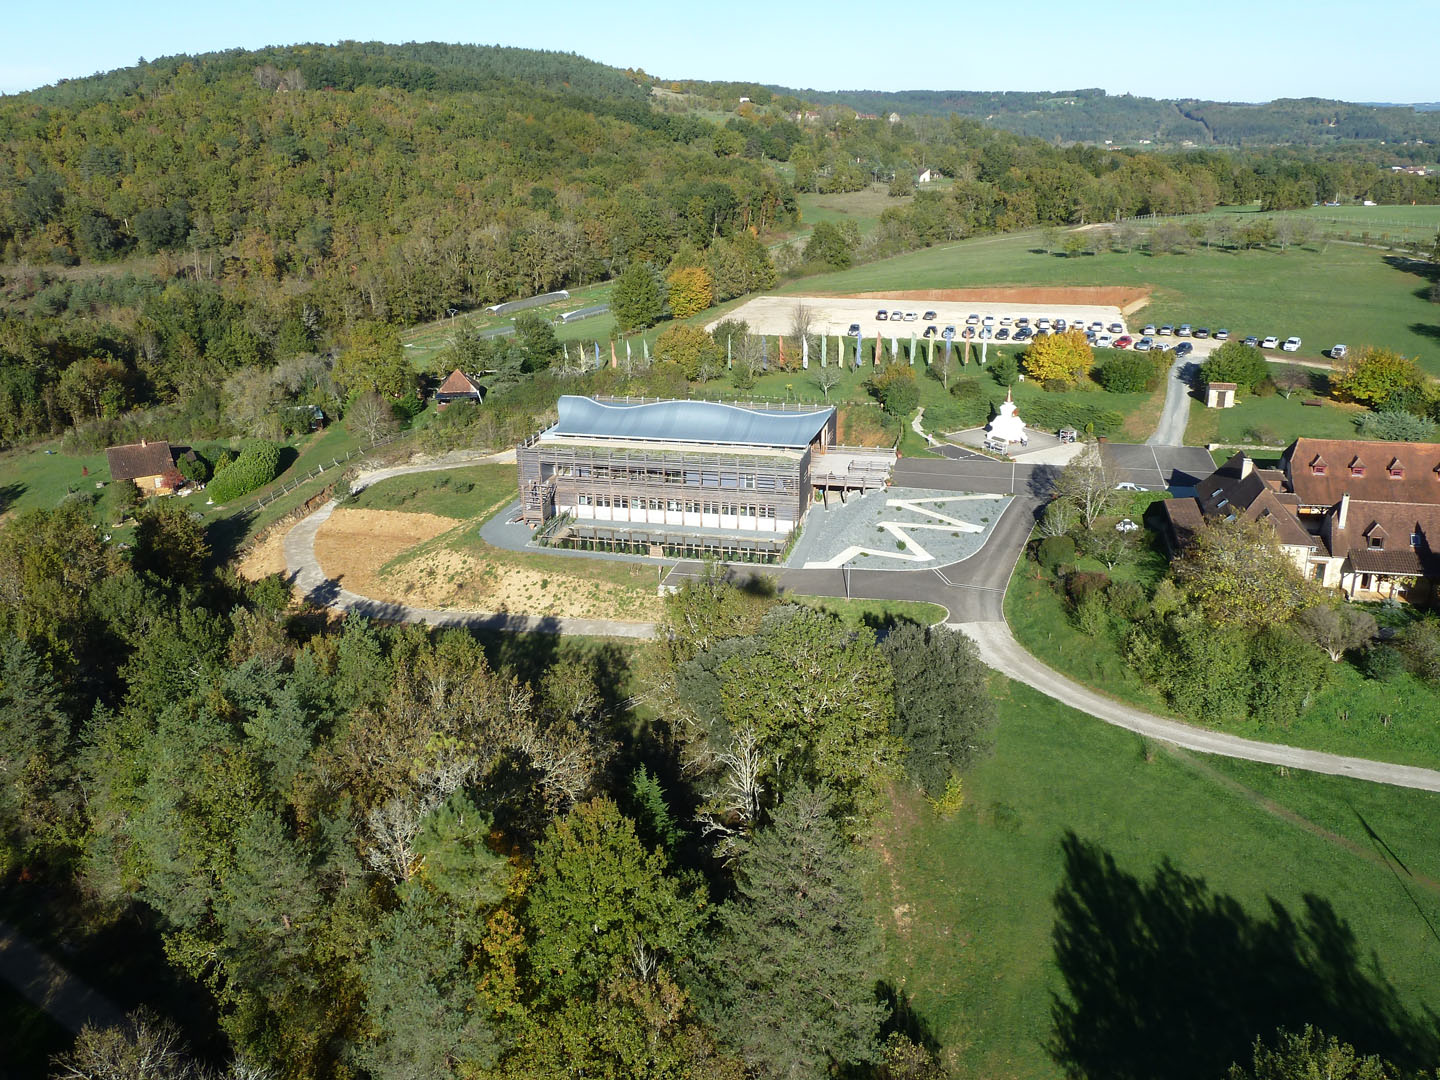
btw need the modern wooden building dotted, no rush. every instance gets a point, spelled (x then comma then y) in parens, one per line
(686, 477)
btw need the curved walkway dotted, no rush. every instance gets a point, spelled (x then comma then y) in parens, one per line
(972, 590)
(1000, 650)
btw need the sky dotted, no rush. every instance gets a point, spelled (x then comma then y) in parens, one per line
(1227, 50)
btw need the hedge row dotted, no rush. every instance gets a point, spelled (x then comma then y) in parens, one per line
(1054, 415)
(256, 466)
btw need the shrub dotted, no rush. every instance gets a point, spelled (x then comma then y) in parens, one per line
(256, 466)
(1055, 551)
(1065, 357)
(1051, 414)
(1421, 648)
(1243, 365)
(1395, 426)
(1129, 372)
(193, 467)
(1383, 663)
(1004, 369)
(1080, 586)
(896, 390)
(1127, 600)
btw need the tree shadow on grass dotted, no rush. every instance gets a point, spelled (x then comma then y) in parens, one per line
(226, 535)
(1166, 979)
(9, 493)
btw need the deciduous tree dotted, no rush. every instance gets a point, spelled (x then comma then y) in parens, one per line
(1236, 574)
(1061, 357)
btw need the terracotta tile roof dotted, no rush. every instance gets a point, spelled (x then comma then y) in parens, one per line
(1231, 490)
(1185, 519)
(457, 382)
(139, 459)
(1394, 524)
(1393, 472)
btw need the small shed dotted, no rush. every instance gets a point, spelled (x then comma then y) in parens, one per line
(150, 466)
(458, 387)
(1220, 395)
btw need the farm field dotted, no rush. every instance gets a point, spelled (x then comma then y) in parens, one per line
(967, 902)
(1398, 223)
(1325, 293)
(862, 207)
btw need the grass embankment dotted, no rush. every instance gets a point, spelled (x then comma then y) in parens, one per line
(966, 902)
(876, 614)
(474, 491)
(1396, 721)
(1323, 292)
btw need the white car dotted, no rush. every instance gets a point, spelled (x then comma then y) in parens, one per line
(1104, 341)
(1292, 344)
(1126, 485)
(1222, 335)
(1125, 525)
(1149, 330)
(1337, 352)
(1271, 342)
(1042, 323)
(1163, 346)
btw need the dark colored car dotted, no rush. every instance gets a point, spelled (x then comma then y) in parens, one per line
(929, 316)
(1184, 349)
(1003, 334)
(929, 331)
(948, 333)
(1202, 331)
(854, 330)
(968, 333)
(1252, 341)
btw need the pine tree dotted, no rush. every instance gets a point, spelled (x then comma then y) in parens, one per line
(788, 981)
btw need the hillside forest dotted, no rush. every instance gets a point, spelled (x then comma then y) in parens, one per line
(170, 226)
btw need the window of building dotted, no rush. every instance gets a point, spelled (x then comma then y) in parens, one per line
(1415, 539)
(747, 483)
(1377, 542)
(1357, 469)
(1318, 470)
(582, 500)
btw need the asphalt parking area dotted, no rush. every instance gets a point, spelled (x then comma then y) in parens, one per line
(1155, 467)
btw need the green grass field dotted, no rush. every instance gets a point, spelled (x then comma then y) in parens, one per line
(472, 492)
(1398, 223)
(1271, 421)
(1341, 293)
(966, 902)
(862, 207)
(1397, 721)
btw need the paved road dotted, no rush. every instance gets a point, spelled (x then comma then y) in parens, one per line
(1171, 429)
(1002, 652)
(49, 987)
(972, 591)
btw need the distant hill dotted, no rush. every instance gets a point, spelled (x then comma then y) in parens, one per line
(1095, 116)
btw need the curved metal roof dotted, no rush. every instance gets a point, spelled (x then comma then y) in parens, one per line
(687, 421)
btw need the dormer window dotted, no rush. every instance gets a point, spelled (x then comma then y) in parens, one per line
(1357, 469)
(1317, 468)
(1397, 470)
(1377, 542)
(1415, 539)
(1375, 535)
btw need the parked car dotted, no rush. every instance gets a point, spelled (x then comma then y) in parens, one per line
(910, 316)
(854, 330)
(1124, 341)
(948, 333)
(968, 333)
(1183, 331)
(1184, 349)
(1125, 525)
(1271, 342)
(1090, 336)
(1163, 346)
(881, 315)
(1022, 321)
(1098, 326)
(1145, 344)
(929, 316)
(986, 333)
(971, 319)
(1167, 330)
(1252, 341)
(1202, 331)
(1117, 328)
(1103, 341)
(1003, 334)
(1058, 325)
(1337, 352)
(1222, 334)
(1023, 333)
(989, 320)
(1291, 344)
(1042, 324)
(1126, 485)
(930, 331)
(1149, 330)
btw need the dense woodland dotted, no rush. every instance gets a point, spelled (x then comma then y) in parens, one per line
(382, 852)
(170, 226)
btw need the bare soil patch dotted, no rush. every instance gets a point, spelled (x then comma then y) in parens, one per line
(369, 552)
(265, 558)
(1126, 299)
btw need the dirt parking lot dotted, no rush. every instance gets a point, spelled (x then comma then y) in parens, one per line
(836, 314)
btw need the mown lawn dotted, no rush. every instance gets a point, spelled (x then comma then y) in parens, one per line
(475, 491)
(875, 614)
(967, 902)
(1324, 293)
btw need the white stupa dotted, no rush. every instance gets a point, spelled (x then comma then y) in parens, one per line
(1007, 426)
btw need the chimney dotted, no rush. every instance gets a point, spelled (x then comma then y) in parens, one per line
(1246, 466)
(142, 443)
(1344, 511)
